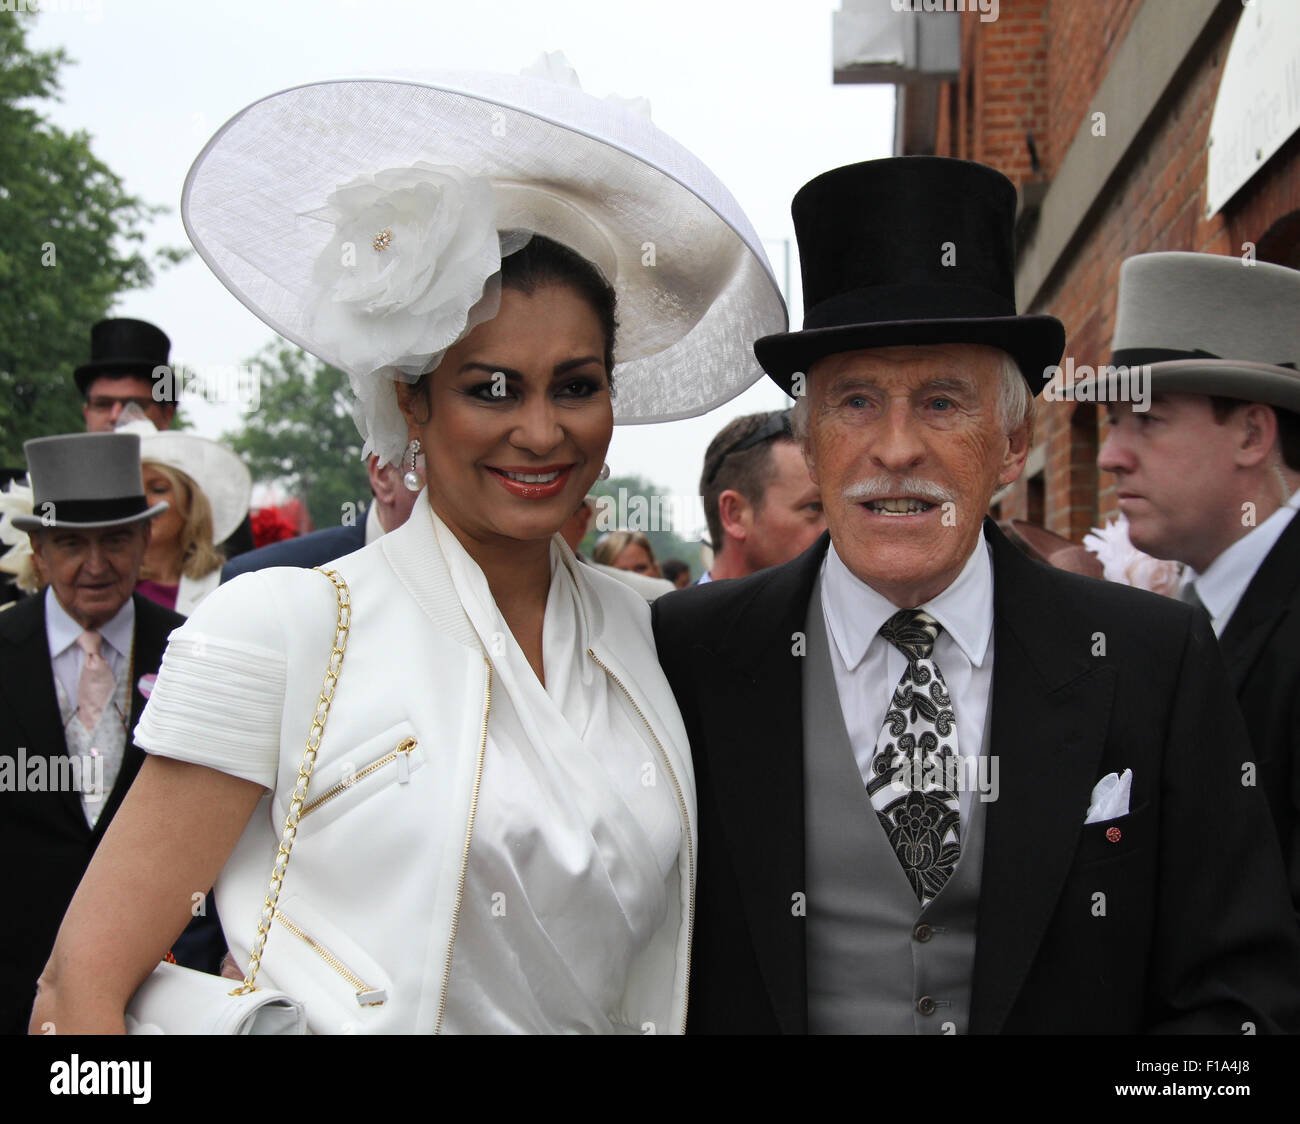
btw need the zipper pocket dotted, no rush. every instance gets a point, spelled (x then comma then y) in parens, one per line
(367, 996)
(401, 754)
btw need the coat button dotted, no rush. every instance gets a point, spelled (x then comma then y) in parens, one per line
(923, 933)
(925, 1005)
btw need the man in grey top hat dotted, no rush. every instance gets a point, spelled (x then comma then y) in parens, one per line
(943, 788)
(1209, 475)
(76, 665)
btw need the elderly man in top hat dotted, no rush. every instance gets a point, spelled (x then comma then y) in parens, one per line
(944, 788)
(124, 356)
(76, 665)
(1210, 476)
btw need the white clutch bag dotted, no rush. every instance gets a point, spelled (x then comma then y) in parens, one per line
(176, 1000)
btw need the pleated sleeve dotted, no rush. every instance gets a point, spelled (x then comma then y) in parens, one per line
(220, 691)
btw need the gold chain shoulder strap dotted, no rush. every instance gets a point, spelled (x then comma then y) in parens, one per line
(304, 778)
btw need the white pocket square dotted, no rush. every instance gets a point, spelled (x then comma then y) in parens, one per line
(1110, 797)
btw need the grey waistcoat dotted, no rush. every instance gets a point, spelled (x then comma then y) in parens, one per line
(877, 962)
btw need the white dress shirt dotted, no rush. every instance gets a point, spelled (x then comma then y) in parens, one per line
(868, 668)
(1225, 580)
(66, 656)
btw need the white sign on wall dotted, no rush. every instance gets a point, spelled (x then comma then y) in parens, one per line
(1258, 104)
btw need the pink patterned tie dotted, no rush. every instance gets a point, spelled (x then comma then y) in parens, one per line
(96, 686)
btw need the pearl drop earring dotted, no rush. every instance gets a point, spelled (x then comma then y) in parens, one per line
(411, 479)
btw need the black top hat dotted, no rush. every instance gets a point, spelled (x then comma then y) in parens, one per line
(123, 347)
(909, 250)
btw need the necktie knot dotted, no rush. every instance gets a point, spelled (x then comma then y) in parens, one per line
(913, 632)
(90, 642)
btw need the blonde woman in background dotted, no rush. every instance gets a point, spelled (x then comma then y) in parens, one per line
(627, 550)
(207, 489)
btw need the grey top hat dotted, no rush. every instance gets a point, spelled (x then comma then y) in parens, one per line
(1209, 324)
(82, 481)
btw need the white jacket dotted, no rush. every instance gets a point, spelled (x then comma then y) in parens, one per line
(371, 899)
(193, 590)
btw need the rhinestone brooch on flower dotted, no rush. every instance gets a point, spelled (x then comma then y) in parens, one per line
(382, 240)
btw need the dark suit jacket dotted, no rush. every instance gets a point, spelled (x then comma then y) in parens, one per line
(1197, 933)
(240, 541)
(1261, 647)
(310, 550)
(45, 843)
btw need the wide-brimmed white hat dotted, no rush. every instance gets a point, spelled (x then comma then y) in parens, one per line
(358, 218)
(215, 469)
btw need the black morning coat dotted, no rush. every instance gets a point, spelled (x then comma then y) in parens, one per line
(1198, 933)
(45, 842)
(1261, 647)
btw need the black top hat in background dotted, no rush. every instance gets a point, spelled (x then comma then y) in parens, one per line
(909, 250)
(123, 347)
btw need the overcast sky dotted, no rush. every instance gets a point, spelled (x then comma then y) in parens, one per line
(745, 84)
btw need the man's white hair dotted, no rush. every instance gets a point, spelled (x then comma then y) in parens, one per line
(1015, 403)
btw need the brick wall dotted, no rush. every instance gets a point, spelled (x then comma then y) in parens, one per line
(1082, 35)
(1039, 66)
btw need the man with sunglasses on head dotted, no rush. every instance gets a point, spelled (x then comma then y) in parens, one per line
(761, 505)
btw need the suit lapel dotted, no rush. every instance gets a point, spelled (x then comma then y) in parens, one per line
(27, 682)
(755, 746)
(149, 639)
(1051, 707)
(1263, 606)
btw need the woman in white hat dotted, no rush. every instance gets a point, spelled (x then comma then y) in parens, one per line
(207, 490)
(496, 831)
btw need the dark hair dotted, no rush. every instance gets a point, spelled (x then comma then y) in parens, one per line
(542, 261)
(671, 567)
(1288, 426)
(747, 471)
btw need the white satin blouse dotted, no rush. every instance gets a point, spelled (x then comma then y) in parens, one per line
(576, 834)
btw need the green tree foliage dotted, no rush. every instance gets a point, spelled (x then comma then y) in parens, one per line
(640, 505)
(301, 435)
(69, 244)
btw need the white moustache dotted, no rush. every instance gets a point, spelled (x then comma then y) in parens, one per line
(881, 487)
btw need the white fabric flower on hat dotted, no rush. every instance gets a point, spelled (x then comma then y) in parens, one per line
(1122, 562)
(17, 559)
(406, 275)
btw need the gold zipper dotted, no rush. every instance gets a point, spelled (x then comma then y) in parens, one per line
(367, 996)
(686, 817)
(405, 746)
(464, 859)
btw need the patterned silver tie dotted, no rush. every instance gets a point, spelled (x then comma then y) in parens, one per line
(913, 787)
